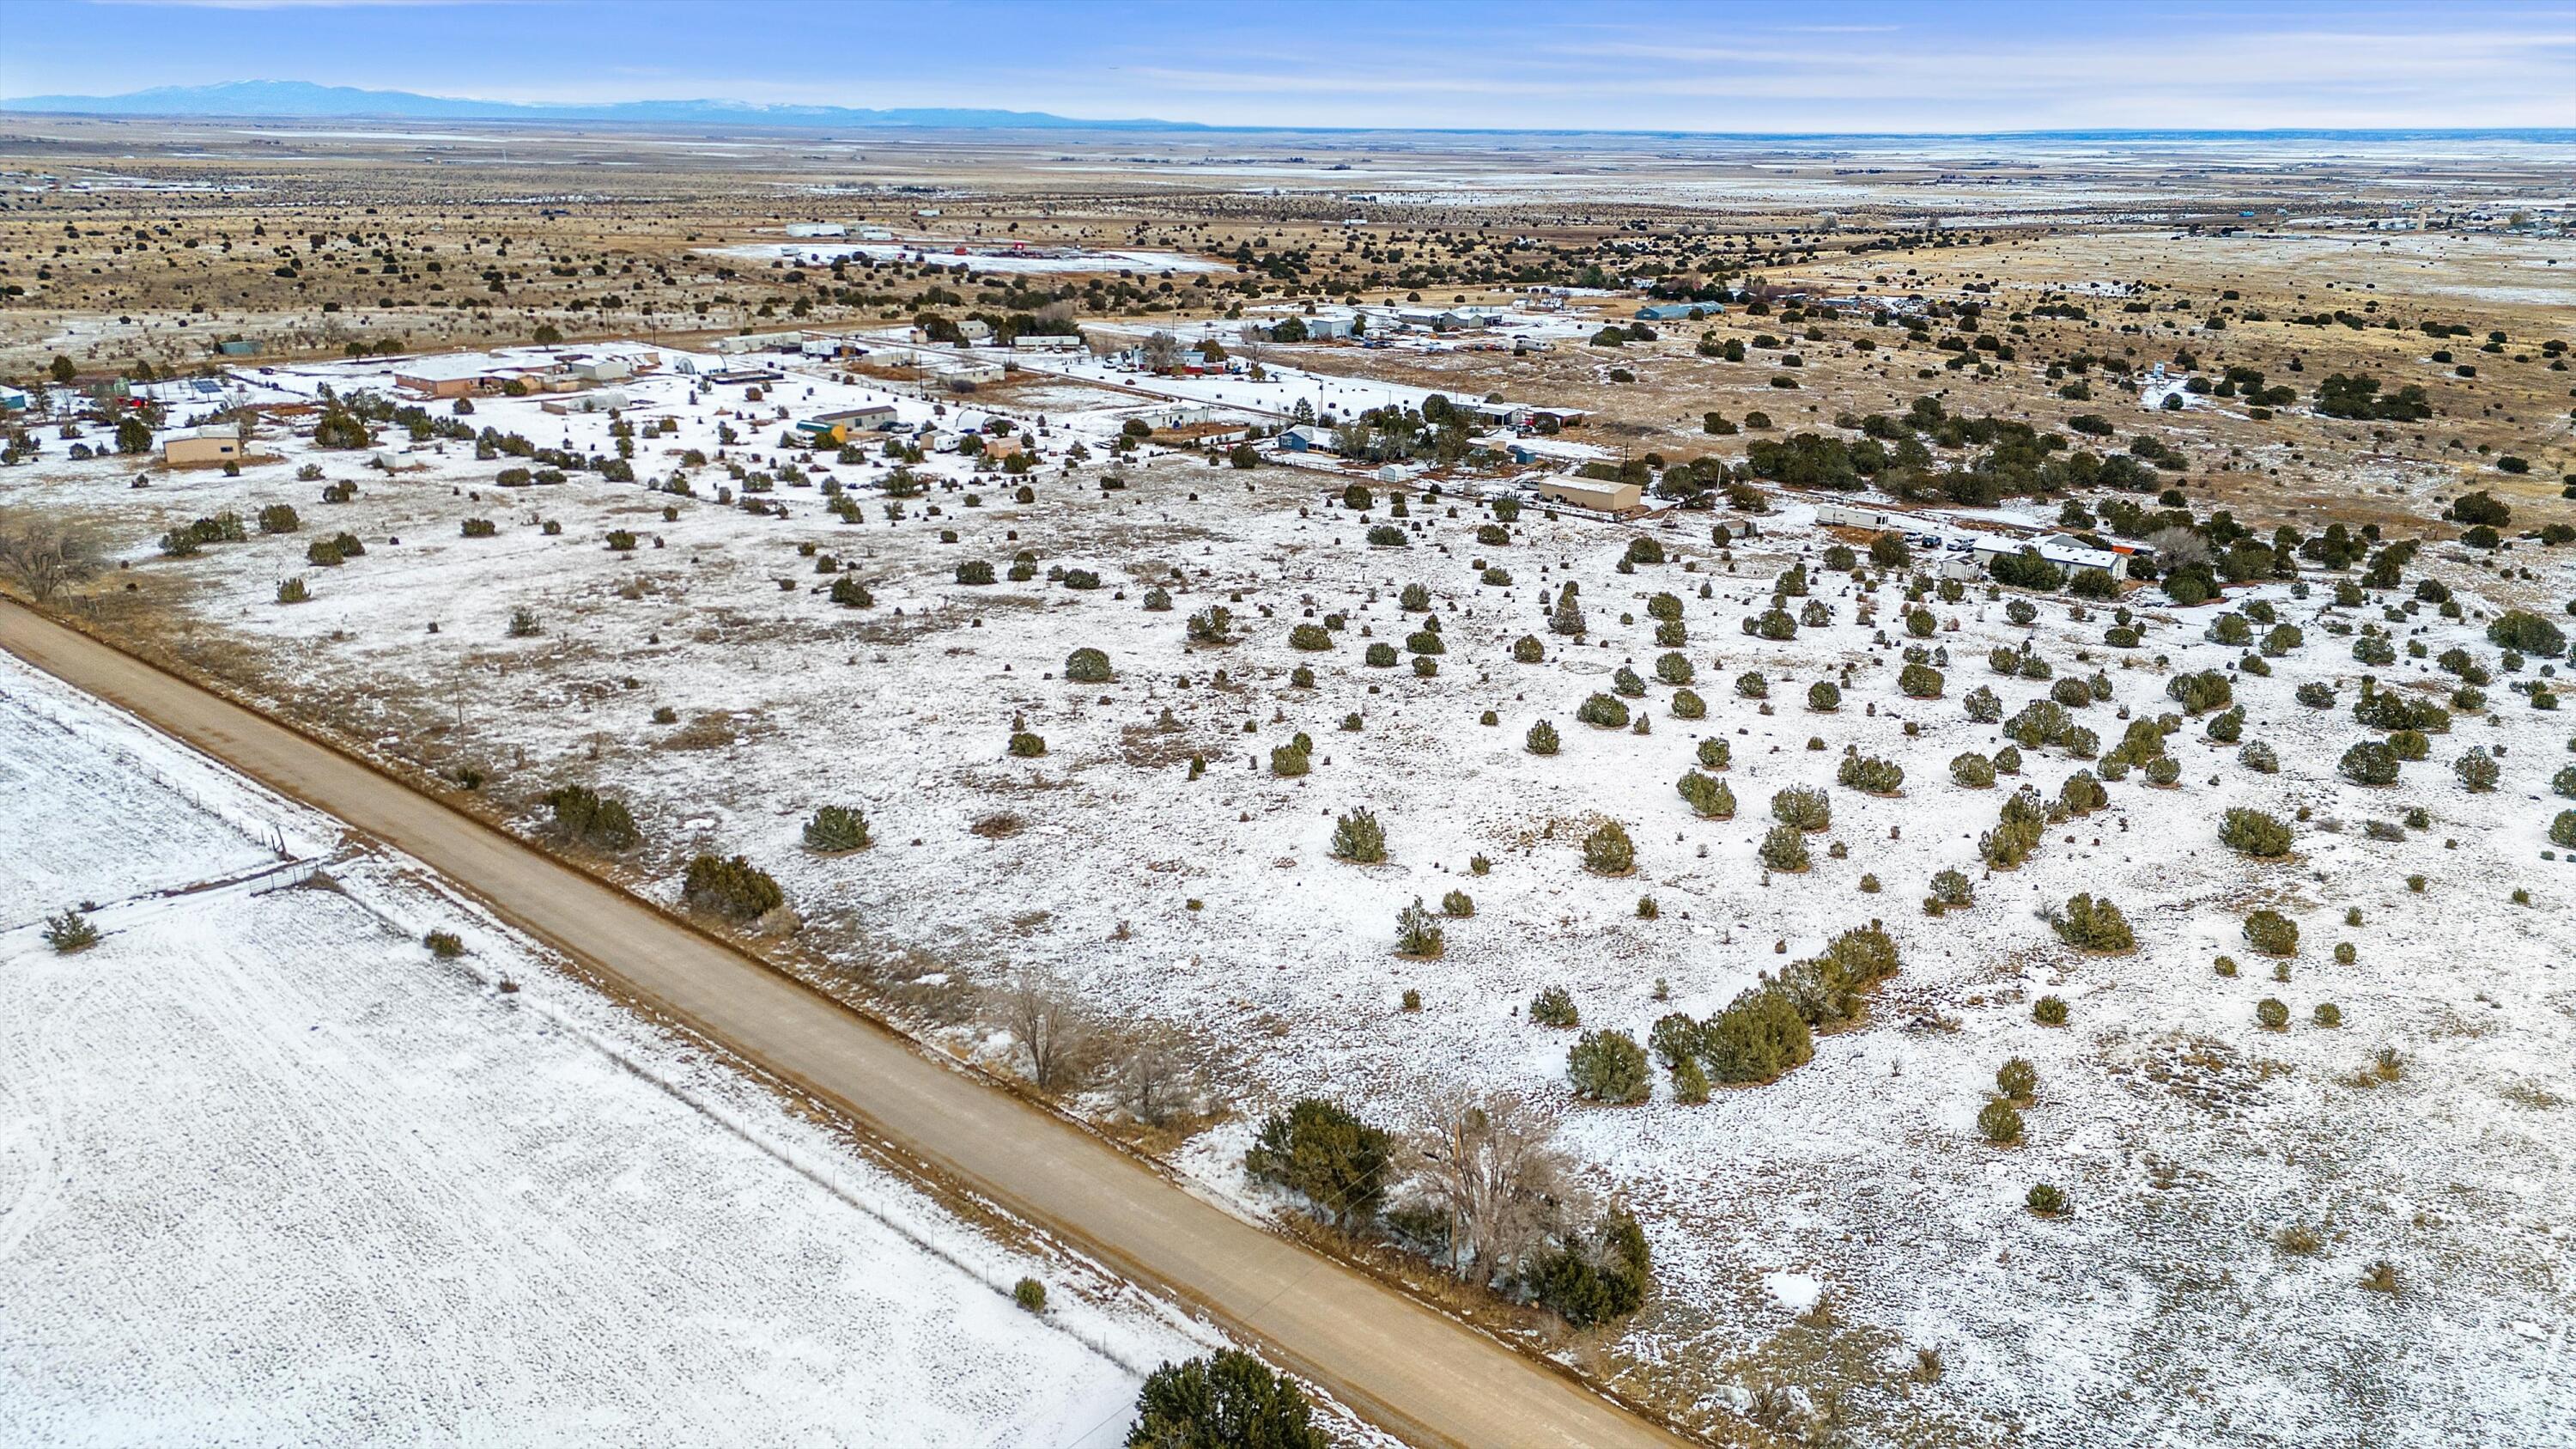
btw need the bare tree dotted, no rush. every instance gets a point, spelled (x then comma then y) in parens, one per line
(1154, 1079)
(44, 556)
(2178, 547)
(1038, 1011)
(1487, 1162)
(1162, 350)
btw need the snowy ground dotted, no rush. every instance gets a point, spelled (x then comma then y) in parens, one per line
(2159, 1310)
(823, 253)
(270, 1173)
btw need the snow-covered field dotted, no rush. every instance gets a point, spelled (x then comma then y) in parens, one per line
(270, 1173)
(2187, 1136)
(965, 254)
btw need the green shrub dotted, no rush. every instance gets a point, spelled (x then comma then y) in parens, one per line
(1288, 762)
(2254, 833)
(1784, 848)
(1417, 931)
(2562, 831)
(1380, 655)
(2045, 1199)
(1087, 666)
(975, 571)
(1951, 890)
(1607, 1066)
(849, 593)
(1708, 796)
(294, 590)
(1030, 1294)
(2018, 830)
(1527, 650)
(2272, 933)
(1870, 775)
(1919, 681)
(1672, 667)
(69, 932)
(2477, 770)
(2048, 1011)
(1805, 808)
(1999, 1123)
(1358, 838)
(1714, 754)
(601, 822)
(2091, 923)
(1457, 904)
(1824, 697)
(2017, 1079)
(1339, 1163)
(279, 518)
(2526, 633)
(2202, 692)
(1688, 705)
(443, 944)
(1025, 745)
(2273, 1013)
(2370, 763)
(1626, 682)
(1554, 1006)
(1310, 637)
(1602, 711)
(731, 887)
(1594, 1280)
(1542, 739)
(1608, 850)
(1973, 770)
(1757, 1037)
(837, 829)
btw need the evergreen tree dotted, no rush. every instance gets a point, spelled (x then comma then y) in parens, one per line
(1228, 1400)
(1341, 1164)
(1607, 1066)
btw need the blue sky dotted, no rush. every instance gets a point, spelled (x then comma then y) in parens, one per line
(1971, 65)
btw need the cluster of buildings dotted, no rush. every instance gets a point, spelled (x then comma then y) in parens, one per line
(1964, 555)
(473, 374)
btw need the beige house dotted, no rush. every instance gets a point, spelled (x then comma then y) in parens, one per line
(1600, 496)
(201, 445)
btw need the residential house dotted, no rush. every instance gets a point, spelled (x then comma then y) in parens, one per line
(439, 377)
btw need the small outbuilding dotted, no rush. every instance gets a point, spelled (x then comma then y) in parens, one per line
(1599, 495)
(198, 446)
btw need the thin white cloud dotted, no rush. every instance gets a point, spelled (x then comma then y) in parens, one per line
(292, 4)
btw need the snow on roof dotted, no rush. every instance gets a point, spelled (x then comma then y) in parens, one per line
(449, 369)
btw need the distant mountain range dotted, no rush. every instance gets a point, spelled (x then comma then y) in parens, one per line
(303, 100)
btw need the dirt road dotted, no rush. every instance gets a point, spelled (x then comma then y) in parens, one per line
(1412, 1371)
